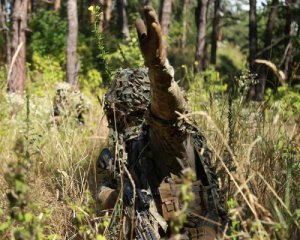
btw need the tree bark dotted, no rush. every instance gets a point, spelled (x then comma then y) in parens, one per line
(101, 16)
(252, 35)
(252, 43)
(72, 42)
(201, 14)
(122, 18)
(184, 22)
(29, 6)
(260, 87)
(289, 45)
(165, 12)
(215, 32)
(57, 5)
(145, 2)
(6, 34)
(107, 13)
(17, 68)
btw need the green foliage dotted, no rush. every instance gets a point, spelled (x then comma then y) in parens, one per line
(22, 223)
(127, 56)
(230, 60)
(45, 70)
(204, 85)
(287, 99)
(92, 80)
(102, 54)
(186, 196)
(48, 34)
(83, 220)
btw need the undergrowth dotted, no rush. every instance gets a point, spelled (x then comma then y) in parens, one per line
(48, 179)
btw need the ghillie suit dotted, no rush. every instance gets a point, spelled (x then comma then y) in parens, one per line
(69, 103)
(153, 149)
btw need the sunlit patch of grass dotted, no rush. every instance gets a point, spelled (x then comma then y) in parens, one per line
(61, 156)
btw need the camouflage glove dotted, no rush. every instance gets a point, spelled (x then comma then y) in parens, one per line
(166, 96)
(150, 39)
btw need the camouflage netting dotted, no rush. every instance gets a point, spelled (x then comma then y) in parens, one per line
(69, 103)
(128, 98)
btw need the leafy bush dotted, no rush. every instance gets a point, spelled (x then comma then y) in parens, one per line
(44, 71)
(287, 99)
(128, 55)
(48, 35)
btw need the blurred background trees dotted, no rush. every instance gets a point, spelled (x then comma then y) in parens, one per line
(203, 35)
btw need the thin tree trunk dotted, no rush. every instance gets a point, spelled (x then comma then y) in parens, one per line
(17, 67)
(252, 35)
(101, 17)
(215, 32)
(107, 13)
(184, 23)
(252, 43)
(72, 42)
(201, 17)
(165, 13)
(260, 87)
(29, 6)
(6, 35)
(92, 16)
(288, 42)
(122, 18)
(145, 2)
(57, 5)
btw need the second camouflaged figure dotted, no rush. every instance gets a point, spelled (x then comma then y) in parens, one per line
(69, 103)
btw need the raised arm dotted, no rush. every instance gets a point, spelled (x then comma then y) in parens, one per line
(166, 96)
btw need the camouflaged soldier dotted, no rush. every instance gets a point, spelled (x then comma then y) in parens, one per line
(69, 103)
(141, 108)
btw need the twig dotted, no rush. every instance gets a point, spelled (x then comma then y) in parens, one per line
(14, 60)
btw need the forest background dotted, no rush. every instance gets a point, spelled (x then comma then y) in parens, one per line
(239, 62)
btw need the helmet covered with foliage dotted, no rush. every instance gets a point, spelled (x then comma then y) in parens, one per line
(128, 98)
(69, 102)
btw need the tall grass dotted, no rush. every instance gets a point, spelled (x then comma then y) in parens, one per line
(261, 183)
(61, 160)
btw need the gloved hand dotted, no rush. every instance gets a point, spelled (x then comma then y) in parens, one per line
(150, 39)
(108, 198)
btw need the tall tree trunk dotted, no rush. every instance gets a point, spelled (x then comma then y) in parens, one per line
(252, 43)
(29, 6)
(92, 16)
(82, 14)
(72, 42)
(107, 13)
(184, 22)
(6, 34)
(289, 45)
(122, 18)
(101, 16)
(57, 5)
(201, 14)
(17, 67)
(145, 2)
(165, 12)
(260, 87)
(215, 32)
